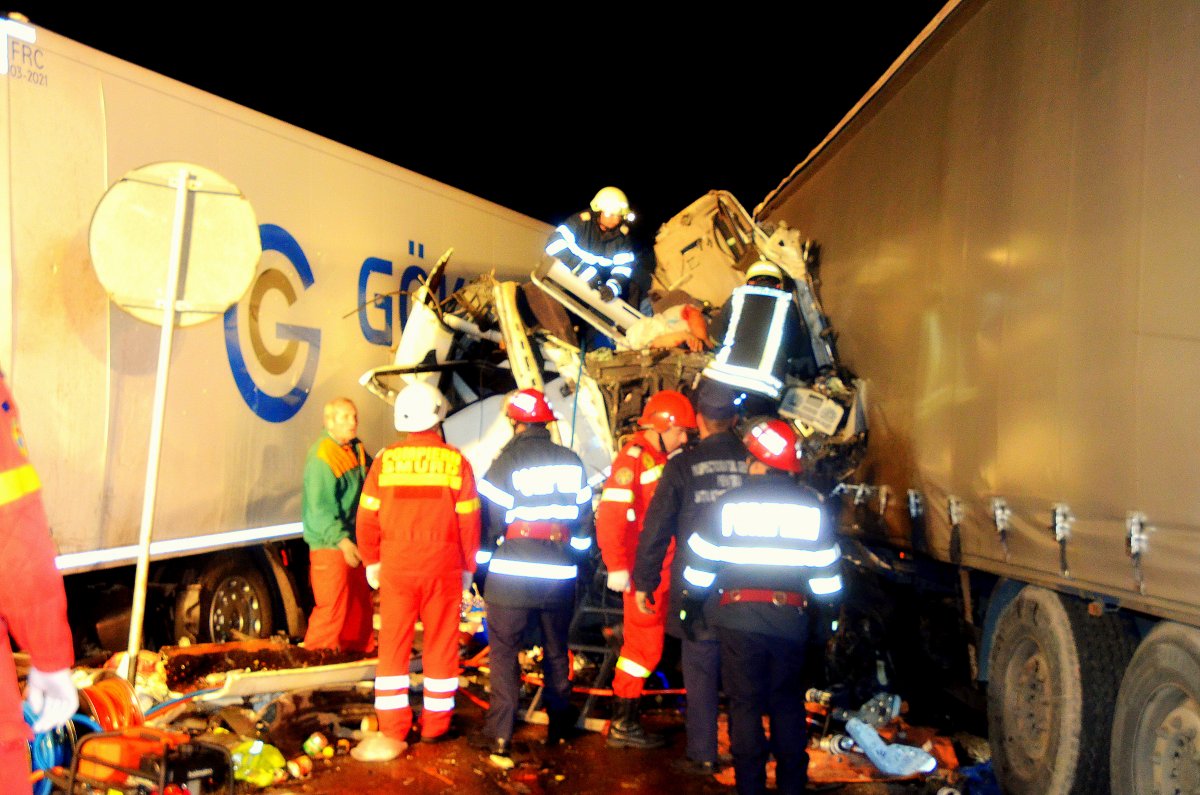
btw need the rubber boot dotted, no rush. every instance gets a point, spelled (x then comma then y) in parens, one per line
(626, 729)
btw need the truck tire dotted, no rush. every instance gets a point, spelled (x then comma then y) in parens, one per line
(234, 602)
(1157, 721)
(1054, 672)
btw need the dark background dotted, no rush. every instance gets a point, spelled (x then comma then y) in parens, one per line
(534, 110)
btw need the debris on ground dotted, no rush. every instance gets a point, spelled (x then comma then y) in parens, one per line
(190, 668)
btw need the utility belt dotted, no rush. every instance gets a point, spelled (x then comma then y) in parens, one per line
(778, 598)
(544, 531)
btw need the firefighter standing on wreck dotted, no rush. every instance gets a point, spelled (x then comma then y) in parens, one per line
(595, 244)
(761, 339)
(539, 509)
(665, 421)
(418, 533)
(766, 549)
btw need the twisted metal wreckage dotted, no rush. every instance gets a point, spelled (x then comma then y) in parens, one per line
(491, 337)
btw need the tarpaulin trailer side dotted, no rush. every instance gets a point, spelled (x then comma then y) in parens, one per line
(1008, 254)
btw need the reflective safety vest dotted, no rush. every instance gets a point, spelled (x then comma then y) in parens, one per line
(539, 510)
(765, 331)
(596, 256)
(33, 602)
(636, 472)
(769, 535)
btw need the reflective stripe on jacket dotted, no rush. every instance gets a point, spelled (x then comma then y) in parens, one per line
(594, 255)
(636, 472)
(538, 485)
(770, 534)
(419, 511)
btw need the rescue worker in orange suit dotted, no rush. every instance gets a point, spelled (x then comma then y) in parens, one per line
(418, 533)
(665, 421)
(334, 472)
(539, 509)
(33, 607)
(767, 549)
(690, 485)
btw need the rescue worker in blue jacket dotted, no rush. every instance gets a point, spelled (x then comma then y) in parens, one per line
(690, 485)
(761, 339)
(539, 526)
(766, 550)
(595, 244)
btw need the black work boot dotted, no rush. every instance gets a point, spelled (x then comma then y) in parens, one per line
(626, 730)
(561, 726)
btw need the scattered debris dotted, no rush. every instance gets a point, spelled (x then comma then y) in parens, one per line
(195, 667)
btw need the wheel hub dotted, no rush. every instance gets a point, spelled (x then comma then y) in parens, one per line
(1176, 763)
(235, 607)
(1031, 707)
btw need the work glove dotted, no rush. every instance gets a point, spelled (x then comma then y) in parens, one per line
(467, 578)
(373, 575)
(53, 698)
(618, 581)
(691, 614)
(350, 552)
(606, 293)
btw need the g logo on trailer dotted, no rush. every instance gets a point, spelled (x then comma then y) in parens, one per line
(271, 407)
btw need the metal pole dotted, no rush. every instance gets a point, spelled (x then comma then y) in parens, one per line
(178, 235)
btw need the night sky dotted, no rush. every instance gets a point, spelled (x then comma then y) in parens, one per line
(664, 106)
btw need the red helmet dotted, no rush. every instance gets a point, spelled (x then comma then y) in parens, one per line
(774, 443)
(529, 405)
(667, 408)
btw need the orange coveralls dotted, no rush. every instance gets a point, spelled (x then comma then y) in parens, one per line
(418, 517)
(627, 493)
(33, 604)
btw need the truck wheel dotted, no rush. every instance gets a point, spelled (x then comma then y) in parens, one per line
(234, 602)
(1054, 674)
(1155, 745)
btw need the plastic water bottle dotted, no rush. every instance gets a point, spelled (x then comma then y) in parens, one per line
(895, 760)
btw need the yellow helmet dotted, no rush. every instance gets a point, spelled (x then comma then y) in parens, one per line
(610, 201)
(764, 269)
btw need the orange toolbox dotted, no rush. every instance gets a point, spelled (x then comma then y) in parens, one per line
(148, 761)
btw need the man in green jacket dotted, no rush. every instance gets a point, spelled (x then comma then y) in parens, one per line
(333, 479)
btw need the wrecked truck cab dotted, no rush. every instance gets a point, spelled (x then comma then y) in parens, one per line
(491, 337)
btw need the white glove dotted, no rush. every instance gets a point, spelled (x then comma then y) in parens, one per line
(467, 578)
(53, 698)
(373, 575)
(618, 581)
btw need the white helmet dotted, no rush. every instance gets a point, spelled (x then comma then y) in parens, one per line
(419, 407)
(610, 201)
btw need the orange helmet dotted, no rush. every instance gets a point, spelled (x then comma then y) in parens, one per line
(529, 405)
(667, 408)
(774, 443)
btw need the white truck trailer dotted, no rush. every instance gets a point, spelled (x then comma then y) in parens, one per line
(1009, 256)
(343, 233)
